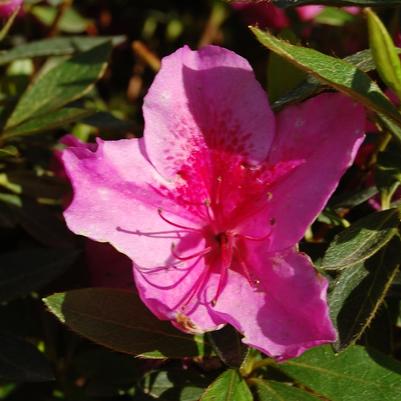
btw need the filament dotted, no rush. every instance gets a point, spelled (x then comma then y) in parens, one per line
(175, 224)
(184, 258)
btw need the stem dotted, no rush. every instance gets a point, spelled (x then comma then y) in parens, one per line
(216, 19)
(146, 55)
(263, 363)
(54, 28)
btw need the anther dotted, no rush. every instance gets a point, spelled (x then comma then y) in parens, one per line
(219, 180)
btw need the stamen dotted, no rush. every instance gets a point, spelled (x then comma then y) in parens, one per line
(175, 224)
(254, 283)
(250, 238)
(194, 290)
(218, 190)
(202, 253)
(209, 210)
(226, 259)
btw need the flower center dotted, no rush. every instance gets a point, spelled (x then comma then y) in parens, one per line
(221, 251)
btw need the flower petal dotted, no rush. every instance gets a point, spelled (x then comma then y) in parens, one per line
(287, 313)
(181, 295)
(116, 199)
(204, 101)
(325, 132)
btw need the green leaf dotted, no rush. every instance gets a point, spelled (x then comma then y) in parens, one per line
(277, 391)
(352, 198)
(361, 240)
(333, 16)
(47, 122)
(388, 169)
(119, 320)
(24, 271)
(360, 3)
(362, 60)
(359, 292)
(332, 71)
(229, 386)
(282, 76)
(384, 53)
(353, 375)
(22, 362)
(175, 384)
(227, 344)
(8, 151)
(63, 84)
(60, 46)
(70, 22)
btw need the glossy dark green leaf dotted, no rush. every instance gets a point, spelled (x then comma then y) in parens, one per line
(70, 22)
(24, 271)
(282, 76)
(388, 168)
(229, 386)
(334, 16)
(47, 122)
(353, 198)
(268, 390)
(61, 85)
(175, 384)
(381, 332)
(59, 46)
(387, 61)
(360, 3)
(359, 292)
(42, 223)
(119, 320)
(361, 240)
(362, 60)
(22, 362)
(357, 374)
(334, 72)
(227, 344)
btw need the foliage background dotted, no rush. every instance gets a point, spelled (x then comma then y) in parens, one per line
(97, 90)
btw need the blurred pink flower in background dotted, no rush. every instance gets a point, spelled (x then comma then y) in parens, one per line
(211, 203)
(7, 7)
(307, 13)
(263, 14)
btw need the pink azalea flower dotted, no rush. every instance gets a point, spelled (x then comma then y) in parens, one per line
(263, 14)
(211, 203)
(106, 266)
(7, 7)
